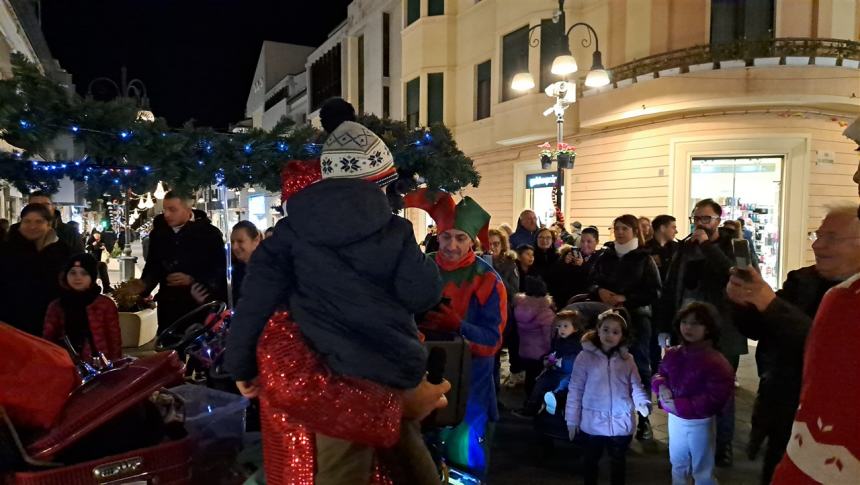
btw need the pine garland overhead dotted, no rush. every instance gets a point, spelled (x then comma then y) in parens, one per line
(124, 153)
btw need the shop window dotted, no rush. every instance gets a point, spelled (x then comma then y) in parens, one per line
(413, 11)
(483, 83)
(749, 189)
(515, 59)
(733, 20)
(413, 100)
(435, 97)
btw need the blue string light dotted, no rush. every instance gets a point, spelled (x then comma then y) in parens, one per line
(200, 162)
(75, 128)
(282, 147)
(248, 148)
(24, 124)
(125, 134)
(147, 168)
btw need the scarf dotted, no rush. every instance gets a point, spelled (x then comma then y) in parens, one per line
(625, 248)
(77, 323)
(448, 266)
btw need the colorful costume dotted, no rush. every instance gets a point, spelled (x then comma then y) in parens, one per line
(298, 386)
(825, 437)
(478, 312)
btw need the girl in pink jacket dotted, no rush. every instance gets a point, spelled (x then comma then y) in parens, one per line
(605, 393)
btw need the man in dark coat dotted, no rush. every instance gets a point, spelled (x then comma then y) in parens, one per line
(700, 272)
(65, 232)
(781, 322)
(185, 248)
(662, 248)
(527, 229)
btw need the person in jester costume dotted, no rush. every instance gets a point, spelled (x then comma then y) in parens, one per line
(475, 306)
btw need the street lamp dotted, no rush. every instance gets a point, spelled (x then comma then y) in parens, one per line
(127, 89)
(564, 91)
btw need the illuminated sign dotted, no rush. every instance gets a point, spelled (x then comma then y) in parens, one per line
(541, 180)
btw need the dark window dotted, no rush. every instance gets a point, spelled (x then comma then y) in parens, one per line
(276, 97)
(386, 44)
(325, 77)
(435, 97)
(435, 7)
(515, 59)
(386, 102)
(550, 48)
(733, 20)
(361, 75)
(483, 85)
(413, 101)
(413, 11)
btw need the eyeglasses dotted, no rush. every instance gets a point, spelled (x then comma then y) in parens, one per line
(703, 219)
(829, 237)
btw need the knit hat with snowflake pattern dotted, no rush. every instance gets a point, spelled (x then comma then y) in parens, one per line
(353, 151)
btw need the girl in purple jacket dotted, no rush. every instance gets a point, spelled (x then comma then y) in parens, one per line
(694, 383)
(604, 395)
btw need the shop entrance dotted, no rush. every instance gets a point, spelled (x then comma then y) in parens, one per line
(749, 189)
(539, 188)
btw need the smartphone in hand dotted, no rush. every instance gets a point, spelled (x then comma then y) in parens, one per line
(743, 258)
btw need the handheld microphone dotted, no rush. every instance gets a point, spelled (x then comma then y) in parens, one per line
(436, 365)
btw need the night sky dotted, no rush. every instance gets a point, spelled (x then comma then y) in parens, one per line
(196, 57)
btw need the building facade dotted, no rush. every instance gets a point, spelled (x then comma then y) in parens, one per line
(742, 104)
(21, 32)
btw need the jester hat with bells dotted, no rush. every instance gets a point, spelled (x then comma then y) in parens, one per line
(466, 215)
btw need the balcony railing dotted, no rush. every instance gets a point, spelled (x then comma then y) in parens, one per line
(747, 51)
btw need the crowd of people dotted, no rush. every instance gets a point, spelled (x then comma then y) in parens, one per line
(331, 321)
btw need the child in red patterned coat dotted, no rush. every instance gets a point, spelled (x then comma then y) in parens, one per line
(82, 313)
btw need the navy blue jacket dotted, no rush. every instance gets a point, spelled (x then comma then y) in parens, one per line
(351, 274)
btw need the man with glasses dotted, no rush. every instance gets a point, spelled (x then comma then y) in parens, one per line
(781, 320)
(700, 272)
(825, 436)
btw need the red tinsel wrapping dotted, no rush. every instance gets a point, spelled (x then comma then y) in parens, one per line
(297, 175)
(298, 388)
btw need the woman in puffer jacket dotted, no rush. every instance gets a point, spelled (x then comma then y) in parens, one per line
(626, 275)
(604, 394)
(694, 383)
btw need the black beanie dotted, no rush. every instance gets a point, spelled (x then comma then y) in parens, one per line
(85, 261)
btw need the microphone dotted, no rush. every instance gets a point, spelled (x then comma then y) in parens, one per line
(436, 365)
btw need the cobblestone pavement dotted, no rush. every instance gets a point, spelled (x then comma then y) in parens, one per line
(518, 456)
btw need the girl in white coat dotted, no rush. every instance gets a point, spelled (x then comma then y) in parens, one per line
(604, 394)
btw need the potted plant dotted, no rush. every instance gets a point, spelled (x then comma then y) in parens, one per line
(565, 155)
(545, 155)
(138, 321)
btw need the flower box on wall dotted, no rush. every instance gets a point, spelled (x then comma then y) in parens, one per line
(707, 66)
(670, 72)
(796, 60)
(733, 64)
(851, 63)
(766, 61)
(644, 77)
(138, 328)
(825, 61)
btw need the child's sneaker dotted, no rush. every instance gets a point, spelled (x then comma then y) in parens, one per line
(551, 403)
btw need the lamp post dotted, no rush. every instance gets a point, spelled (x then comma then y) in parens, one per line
(564, 91)
(132, 89)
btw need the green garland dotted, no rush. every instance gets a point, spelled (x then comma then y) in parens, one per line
(124, 153)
